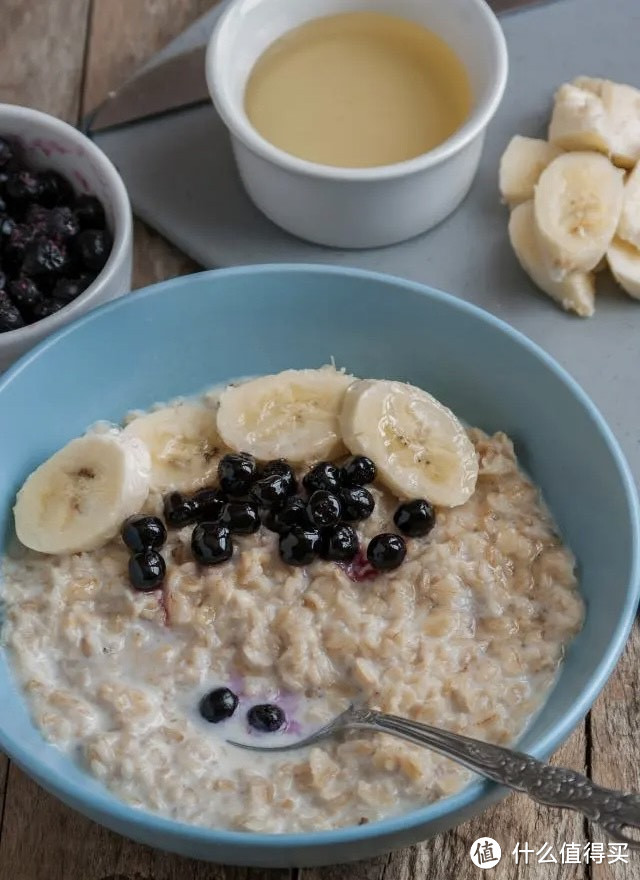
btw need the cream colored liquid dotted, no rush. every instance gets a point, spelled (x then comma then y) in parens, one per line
(357, 90)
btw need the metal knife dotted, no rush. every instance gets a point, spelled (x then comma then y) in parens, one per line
(179, 84)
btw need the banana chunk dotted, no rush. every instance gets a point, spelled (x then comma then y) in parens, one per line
(624, 262)
(184, 444)
(78, 499)
(420, 448)
(629, 225)
(575, 292)
(579, 121)
(292, 415)
(577, 207)
(597, 114)
(521, 165)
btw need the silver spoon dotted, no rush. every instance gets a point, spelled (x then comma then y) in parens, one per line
(554, 786)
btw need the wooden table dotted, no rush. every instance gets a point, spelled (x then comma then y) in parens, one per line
(63, 56)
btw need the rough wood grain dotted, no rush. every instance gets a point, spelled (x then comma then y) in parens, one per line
(124, 33)
(44, 840)
(42, 45)
(614, 736)
(515, 820)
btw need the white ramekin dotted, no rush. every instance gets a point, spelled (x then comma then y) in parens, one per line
(48, 142)
(362, 207)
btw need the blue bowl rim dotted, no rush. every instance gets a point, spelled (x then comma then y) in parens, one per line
(106, 803)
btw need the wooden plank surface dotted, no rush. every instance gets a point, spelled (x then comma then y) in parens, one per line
(90, 46)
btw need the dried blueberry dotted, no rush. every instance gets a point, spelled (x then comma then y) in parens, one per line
(211, 543)
(236, 472)
(10, 317)
(299, 546)
(339, 543)
(89, 212)
(54, 189)
(240, 517)
(218, 705)
(323, 508)
(142, 532)
(179, 510)
(25, 294)
(323, 476)
(266, 717)
(208, 504)
(358, 471)
(44, 256)
(147, 570)
(357, 503)
(386, 551)
(94, 247)
(415, 518)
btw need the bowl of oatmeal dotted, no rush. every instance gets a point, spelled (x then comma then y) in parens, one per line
(238, 501)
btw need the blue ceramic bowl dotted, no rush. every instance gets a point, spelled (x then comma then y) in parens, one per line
(186, 334)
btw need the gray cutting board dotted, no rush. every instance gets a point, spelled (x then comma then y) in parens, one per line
(181, 178)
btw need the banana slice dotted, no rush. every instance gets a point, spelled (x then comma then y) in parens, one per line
(624, 262)
(575, 292)
(420, 448)
(521, 165)
(629, 225)
(78, 499)
(184, 444)
(579, 121)
(621, 104)
(292, 415)
(577, 206)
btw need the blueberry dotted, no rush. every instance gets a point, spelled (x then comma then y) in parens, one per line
(386, 551)
(266, 717)
(63, 223)
(271, 491)
(68, 289)
(240, 517)
(211, 543)
(94, 247)
(283, 469)
(357, 503)
(142, 532)
(147, 570)
(339, 543)
(37, 218)
(22, 188)
(10, 317)
(218, 705)
(6, 152)
(358, 471)
(415, 518)
(299, 546)
(323, 508)
(323, 476)
(89, 212)
(208, 504)
(236, 472)
(45, 308)
(292, 513)
(179, 510)
(54, 189)
(7, 225)
(3, 280)
(44, 256)
(17, 240)
(25, 294)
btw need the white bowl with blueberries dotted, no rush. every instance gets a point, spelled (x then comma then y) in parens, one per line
(65, 228)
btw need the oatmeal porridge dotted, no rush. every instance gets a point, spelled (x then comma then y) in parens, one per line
(244, 565)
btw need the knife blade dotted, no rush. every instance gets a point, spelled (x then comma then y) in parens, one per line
(179, 84)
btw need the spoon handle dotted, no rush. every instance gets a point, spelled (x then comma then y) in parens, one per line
(550, 785)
